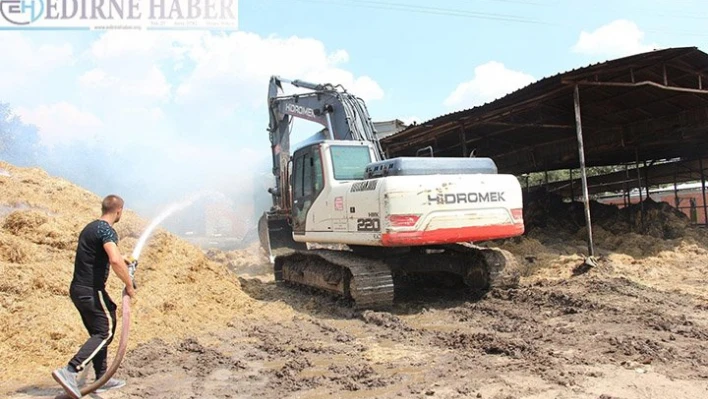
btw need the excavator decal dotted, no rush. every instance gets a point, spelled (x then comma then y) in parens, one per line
(465, 198)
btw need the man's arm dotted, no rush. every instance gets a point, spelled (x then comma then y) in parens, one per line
(119, 267)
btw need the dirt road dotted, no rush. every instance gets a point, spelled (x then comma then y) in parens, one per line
(595, 335)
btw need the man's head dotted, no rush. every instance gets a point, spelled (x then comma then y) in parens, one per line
(112, 207)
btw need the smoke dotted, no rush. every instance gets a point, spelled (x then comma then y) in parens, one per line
(157, 116)
(151, 175)
(19, 143)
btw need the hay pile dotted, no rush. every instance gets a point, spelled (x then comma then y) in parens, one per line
(180, 290)
(664, 251)
(549, 212)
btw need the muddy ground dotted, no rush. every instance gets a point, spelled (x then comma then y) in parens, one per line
(594, 335)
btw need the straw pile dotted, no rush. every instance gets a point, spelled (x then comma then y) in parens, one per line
(659, 220)
(180, 290)
(663, 251)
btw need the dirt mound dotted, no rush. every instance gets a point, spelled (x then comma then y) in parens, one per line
(180, 290)
(550, 212)
(660, 249)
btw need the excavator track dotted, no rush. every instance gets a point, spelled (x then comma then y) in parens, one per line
(489, 268)
(368, 279)
(368, 282)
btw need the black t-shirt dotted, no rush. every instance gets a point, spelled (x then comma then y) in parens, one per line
(91, 263)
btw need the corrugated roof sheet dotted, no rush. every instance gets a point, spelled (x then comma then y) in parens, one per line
(533, 128)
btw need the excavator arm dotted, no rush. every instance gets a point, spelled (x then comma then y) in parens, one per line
(343, 116)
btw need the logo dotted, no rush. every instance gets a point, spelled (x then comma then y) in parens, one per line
(466, 198)
(119, 14)
(300, 110)
(21, 12)
(338, 203)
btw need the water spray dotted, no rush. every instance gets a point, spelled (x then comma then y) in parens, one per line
(133, 258)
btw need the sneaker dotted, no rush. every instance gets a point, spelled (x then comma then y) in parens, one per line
(67, 379)
(113, 383)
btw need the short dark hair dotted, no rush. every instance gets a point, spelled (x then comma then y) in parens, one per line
(111, 204)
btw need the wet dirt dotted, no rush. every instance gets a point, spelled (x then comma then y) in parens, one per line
(595, 335)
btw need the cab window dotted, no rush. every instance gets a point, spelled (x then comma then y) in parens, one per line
(349, 162)
(308, 178)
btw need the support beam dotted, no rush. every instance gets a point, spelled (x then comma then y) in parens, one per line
(545, 179)
(646, 178)
(637, 84)
(463, 140)
(703, 189)
(572, 189)
(583, 172)
(639, 187)
(676, 197)
(539, 125)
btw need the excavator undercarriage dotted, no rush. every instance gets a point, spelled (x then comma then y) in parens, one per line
(370, 276)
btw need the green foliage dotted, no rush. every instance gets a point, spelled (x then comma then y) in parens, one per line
(539, 178)
(19, 143)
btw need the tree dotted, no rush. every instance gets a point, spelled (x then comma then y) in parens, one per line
(19, 142)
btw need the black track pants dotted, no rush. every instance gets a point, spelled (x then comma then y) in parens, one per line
(98, 313)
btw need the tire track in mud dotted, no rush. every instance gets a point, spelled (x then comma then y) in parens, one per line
(541, 337)
(550, 326)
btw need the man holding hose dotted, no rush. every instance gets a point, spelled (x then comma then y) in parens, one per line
(96, 250)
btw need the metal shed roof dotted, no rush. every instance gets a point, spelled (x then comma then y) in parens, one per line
(642, 107)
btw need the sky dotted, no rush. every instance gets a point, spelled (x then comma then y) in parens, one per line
(156, 116)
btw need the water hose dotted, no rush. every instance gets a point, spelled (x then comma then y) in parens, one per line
(122, 345)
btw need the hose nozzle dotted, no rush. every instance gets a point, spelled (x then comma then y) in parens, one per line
(132, 265)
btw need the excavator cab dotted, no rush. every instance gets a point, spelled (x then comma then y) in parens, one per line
(312, 168)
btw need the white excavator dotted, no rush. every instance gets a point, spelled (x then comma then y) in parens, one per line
(349, 221)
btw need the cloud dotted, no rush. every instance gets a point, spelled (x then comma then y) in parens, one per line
(491, 81)
(616, 39)
(62, 123)
(24, 63)
(20, 51)
(236, 68)
(148, 85)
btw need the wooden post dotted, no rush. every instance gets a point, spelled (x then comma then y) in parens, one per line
(676, 197)
(583, 172)
(545, 179)
(703, 188)
(646, 179)
(639, 187)
(463, 140)
(572, 189)
(628, 201)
